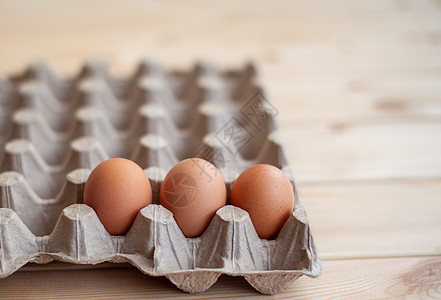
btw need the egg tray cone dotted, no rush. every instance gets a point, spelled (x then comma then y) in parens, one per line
(54, 130)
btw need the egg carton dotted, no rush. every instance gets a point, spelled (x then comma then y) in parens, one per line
(54, 130)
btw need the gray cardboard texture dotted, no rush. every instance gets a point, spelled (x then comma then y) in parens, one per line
(55, 130)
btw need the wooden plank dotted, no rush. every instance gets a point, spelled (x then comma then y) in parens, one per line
(374, 219)
(395, 278)
(348, 99)
(345, 60)
(320, 36)
(363, 151)
(341, 279)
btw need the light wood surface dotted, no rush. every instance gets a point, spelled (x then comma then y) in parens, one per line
(414, 277)
(358, 89)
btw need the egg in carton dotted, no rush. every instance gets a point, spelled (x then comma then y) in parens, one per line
(55, 130)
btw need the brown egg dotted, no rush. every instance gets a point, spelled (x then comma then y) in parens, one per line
(117, 189)
(193, 191)
(267, 195)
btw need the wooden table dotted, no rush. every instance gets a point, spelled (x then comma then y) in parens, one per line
(358, 88)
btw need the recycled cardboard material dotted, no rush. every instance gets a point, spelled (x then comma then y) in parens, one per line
(55, 130)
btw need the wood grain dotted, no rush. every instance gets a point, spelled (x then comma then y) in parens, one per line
(363, 150)
(341, 279)
(374, 219)
(358, 89)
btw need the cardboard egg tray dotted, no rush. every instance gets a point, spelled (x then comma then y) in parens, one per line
(54, 130)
